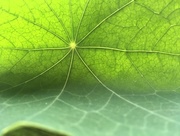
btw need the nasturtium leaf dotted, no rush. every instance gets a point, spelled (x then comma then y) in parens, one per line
(91, 67)
(30, 129)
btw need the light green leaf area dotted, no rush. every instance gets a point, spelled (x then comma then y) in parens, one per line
(91, 67)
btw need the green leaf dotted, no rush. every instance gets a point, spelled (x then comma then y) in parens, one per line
(90, 67)
(30, 129)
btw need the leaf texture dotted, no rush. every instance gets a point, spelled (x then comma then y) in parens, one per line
(91, 67)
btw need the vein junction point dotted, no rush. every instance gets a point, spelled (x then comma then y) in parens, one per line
(73, 45)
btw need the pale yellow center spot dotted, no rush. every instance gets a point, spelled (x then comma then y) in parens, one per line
(72, 45)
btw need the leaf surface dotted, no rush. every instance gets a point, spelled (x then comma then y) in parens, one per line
(91, 67)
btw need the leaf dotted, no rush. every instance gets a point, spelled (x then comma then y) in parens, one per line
(91, 67)
(26, 128)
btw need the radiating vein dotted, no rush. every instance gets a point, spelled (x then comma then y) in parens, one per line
(60, 21)
(77, 32)
(101, 22)
(35, 77)
(130, 51)
(121, 97)
(62, 90)
(72, 18)
(38, 25)
(37, 49)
